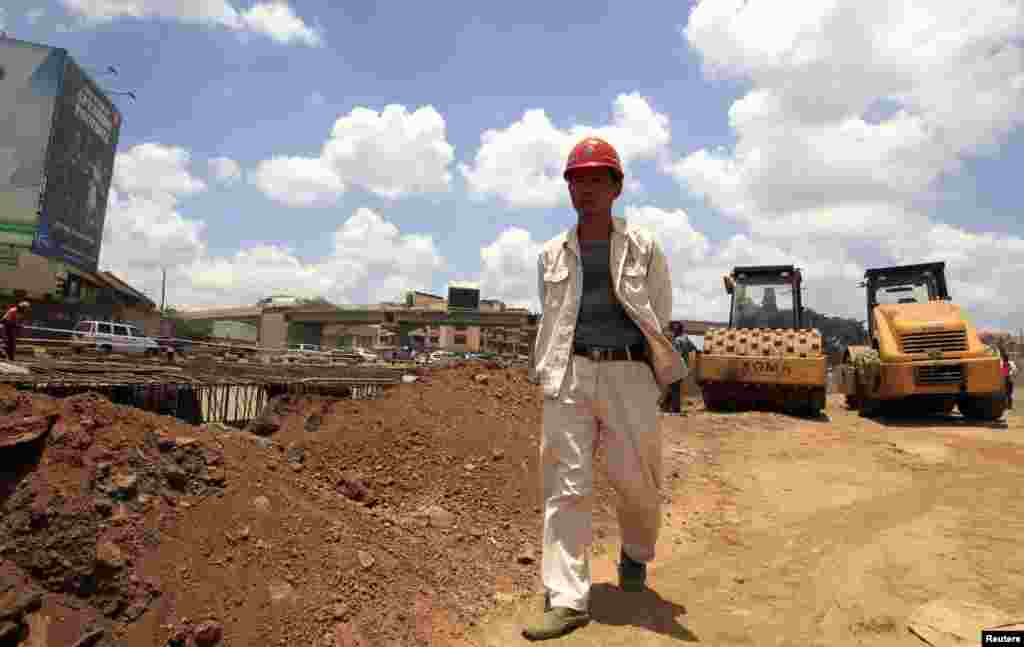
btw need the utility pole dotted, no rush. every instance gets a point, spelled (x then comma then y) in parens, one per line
(163, 291)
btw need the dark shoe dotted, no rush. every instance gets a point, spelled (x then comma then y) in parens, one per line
(556, 622)
(632, 575)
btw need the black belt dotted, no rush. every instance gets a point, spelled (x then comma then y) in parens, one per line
(604, 354)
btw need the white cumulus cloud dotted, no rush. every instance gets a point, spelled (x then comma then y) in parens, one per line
(147, 229)
(278, 20)
(522, 164)
(144, 229)
(392, 153)
(371, 261)
(275, 19)
(853, 101)
(298, 181)
(855, 110)
(156, 170)
(142, 233)
(509, 269)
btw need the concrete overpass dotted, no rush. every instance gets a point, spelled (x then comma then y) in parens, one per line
(248, 314)
(697, 327)
(273, 322)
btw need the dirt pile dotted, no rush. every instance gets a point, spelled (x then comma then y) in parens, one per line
(395, 521)
(83, 501)
(391, 521)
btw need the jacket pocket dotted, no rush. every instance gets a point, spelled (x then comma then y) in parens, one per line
(633, 286)
(556, 285)
(556, 274)
(637, 262)
(635, 268)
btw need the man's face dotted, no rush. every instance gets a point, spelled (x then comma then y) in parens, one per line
(593, 191)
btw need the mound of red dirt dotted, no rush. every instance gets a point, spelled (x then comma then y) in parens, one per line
(390, 521)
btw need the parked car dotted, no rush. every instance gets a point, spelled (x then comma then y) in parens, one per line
(304, 348)
(366, 355)
(404, 354)
(113, 337)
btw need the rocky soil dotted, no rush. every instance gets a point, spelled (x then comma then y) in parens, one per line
(396, 521)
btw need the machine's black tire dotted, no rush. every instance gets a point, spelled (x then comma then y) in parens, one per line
(939, 408)
(869, 407)
(983, 407)
(711, 401)
(796, 407)
(816, 401)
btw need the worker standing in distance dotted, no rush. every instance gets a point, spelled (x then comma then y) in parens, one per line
(1009, 369)
(11, 324)
(603, 362)
(684, 346)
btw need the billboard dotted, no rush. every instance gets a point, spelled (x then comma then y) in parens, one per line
(463, 298)
(30, 82)
(79, 166)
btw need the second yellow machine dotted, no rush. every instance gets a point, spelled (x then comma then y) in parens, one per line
(925, 355)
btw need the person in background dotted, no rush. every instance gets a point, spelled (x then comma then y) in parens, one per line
(683, 345)
(1009, 373)
(12, 323)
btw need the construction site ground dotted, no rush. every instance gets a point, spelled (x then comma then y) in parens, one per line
(415, 519)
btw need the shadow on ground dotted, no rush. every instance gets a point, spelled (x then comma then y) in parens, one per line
(820, 416)
(610, 605)
(952, 421)
(16, 463)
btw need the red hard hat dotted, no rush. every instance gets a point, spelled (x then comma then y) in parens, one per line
(592, 152)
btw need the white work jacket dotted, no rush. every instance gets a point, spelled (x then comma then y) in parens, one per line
(641, 282)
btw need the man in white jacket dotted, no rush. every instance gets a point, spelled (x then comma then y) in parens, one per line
(603, 362)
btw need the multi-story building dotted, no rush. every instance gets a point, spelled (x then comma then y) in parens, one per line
(425, 301)
(375, 337)
(461, 339)
(506, 341)
(62, 295)
(510, 341)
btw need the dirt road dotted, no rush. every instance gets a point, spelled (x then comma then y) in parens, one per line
(834, 532)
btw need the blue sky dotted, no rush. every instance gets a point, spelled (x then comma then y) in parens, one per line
(251, 82)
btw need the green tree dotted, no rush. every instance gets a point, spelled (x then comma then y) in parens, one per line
(315, 301)
(187, 328)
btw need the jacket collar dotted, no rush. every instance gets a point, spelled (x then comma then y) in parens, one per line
(572, 239)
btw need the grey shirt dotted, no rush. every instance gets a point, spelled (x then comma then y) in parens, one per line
(602, 320)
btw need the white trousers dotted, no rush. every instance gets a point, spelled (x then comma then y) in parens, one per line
(614, 403)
